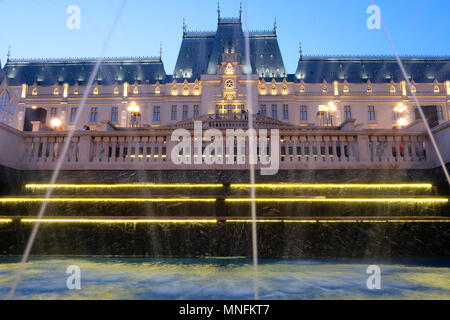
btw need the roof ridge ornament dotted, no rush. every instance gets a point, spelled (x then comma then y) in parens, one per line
(184, 27)
(8, 56)
(275, 26)
(218, 10)
(240, 11)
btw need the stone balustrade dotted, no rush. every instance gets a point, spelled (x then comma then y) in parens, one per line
(152, 149)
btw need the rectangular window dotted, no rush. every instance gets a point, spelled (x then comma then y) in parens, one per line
(156, 114)
(347, 112)
(263, 110)
(274, 111)
(196, 110)
(173, 115)
(115, 115)
(53, 112)
(94, 115)
(372, 115)
(303, 113)
(440, 113)
(73, 115)
(185, 112)
(218, 109)
(285, 112)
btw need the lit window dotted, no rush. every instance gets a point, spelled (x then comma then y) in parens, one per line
(302, 89)
(346, 90)
(136, 90)
(75, 91)
(174, 91)
(197, 91)
(413, 89)
(96, 91)
(392, 90)
(185, 91)
(369, 89)
(116, 90)
(285, 90)
(263, 90)
(436, 89)
(34, 92)
(274, 90)
(56, 91)
(325, 89)
(157, 90)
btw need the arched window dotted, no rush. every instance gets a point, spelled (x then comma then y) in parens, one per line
(56, 91)
(4, 102)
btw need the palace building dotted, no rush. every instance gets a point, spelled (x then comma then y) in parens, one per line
(217, 80)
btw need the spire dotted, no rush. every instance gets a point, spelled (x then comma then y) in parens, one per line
(301, 51)
(184, 27)
(275, 26)
(218, 10)
(9, 53)
(160, 51)
(240, 11)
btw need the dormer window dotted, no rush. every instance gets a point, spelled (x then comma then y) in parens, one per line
(285, 90)
(325, 89)
(369, 89)
(135, 90)
(186, 91)
(75, 91)
(392, 90)
(302, 89)
(34, 92)
(436, 89)
(274, 90)
(196, 91)
(346, 90)
(174, 91)
(157, 90)
(116, 90)
(263, 90)
(56, 91)
(229, 69)
(413, 89)
(96, 91)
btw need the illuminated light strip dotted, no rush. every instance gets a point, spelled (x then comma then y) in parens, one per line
(335, 221)
(331, 185)
(438, 200)
(105, 200)
(110, 221)
(5, 220)
(125, 185)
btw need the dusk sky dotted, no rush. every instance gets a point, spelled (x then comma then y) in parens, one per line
(37, 28)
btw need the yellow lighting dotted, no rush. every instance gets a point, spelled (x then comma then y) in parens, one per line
(402, 122)
(331, 185)
(332, 106)
(5, 220)
(388, 220)
(133, 107)
(400, 108)
(359, 200)
(125, 185)
(55, 123)
(110, 221)
(125, 89)
(5, 200)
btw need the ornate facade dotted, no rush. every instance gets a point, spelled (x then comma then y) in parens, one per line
(212, 77)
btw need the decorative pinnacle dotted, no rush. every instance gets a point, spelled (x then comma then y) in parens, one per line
(184, 26)
(240, 11)
(275, 26)
(218, 10)
(9, 53)
(160, 51)
(301, 51)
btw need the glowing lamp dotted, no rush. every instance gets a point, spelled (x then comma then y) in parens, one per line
(55, 123)
(402, 122)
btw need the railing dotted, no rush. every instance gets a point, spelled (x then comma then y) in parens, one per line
(152, 150)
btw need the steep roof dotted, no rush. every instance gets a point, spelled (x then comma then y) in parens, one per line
(71, 71)
(201, 52)
(378, 69)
